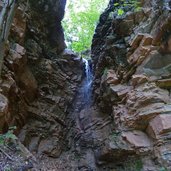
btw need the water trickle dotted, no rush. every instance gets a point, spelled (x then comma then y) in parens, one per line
(167, 4)
(88, 82)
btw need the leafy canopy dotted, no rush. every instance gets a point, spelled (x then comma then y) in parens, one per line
(80, 21)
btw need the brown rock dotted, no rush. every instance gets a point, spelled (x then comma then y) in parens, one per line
(147, 40)
(28, 84)
(165, 83)
(111, 77)
(142, 52)
(136, 41)
(138, 79)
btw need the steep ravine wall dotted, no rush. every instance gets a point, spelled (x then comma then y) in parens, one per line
(40, 77)
(131, 57)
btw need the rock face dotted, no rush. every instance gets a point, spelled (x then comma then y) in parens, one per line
(131, 58)
(49, 28)
(40, 77)
(130, 119)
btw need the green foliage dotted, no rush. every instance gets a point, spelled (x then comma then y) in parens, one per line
(120, 11)
(124, 5)
(133, 165)
(4, 138)
(80, 21)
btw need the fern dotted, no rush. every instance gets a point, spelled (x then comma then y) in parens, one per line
(4, 138)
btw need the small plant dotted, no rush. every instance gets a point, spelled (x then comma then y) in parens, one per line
(7, 137)
(138, 165)
(127, 4)
(7, 169)
(163, 169)
(133, 165)
(105, 71)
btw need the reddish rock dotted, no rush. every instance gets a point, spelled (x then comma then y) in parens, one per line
(137, 138)
(120, 89)
(16, 61)
(160, 125)
(20, 49)
(19, 25)
(142, 104)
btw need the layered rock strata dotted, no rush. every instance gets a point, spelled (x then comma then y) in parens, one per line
(131, 55)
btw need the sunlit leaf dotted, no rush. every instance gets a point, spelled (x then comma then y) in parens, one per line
(120, 11)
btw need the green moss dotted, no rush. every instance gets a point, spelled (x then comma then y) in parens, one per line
(127, 5)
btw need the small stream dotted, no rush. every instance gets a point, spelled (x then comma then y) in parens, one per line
(83, 99)
(81, 138)
(86, 89)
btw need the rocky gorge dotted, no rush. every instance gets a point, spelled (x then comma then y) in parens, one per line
(69, 116)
